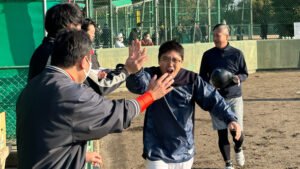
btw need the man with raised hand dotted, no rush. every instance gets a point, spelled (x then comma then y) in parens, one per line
(169, 121)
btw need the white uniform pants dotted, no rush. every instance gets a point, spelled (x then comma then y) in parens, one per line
(162, 165)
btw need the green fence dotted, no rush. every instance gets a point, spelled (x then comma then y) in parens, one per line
(190, 21)
(12, 81)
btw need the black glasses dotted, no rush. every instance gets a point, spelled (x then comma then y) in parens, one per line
(173, 60)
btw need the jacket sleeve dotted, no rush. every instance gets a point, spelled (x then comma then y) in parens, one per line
(209, 99)
(204, 69)
(243, 71)
(137, 83)
(109, 84)
(96, 116)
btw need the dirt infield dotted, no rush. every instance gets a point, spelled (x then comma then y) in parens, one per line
(271, 123)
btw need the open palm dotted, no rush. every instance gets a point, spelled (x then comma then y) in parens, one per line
(137, 57)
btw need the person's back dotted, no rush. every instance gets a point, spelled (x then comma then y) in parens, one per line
(40, 57)
(48, 148)
(133, 35)
(59, 17)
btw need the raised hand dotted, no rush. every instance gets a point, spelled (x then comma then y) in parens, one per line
(161, 86)
(137, 57)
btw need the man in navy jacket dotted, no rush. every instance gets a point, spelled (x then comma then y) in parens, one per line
(169, 125)
(231, 59)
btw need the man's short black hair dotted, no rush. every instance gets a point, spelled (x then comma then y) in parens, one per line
(69, 47)
(60, 16)
(220, 25)
(169, 46)
(86, 23)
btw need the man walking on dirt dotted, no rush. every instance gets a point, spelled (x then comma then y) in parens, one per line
(227, 57)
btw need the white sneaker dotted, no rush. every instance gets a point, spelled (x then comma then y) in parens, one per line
(229, 167)
(240, 159)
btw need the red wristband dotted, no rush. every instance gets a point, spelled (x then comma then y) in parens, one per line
(145, 100)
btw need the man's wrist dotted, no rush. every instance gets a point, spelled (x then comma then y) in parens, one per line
(145, 100)
(236, 79)
(122, 68)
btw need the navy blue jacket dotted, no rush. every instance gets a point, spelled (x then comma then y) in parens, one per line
(230, 59)
(169, 122)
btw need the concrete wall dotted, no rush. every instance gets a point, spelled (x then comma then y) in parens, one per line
(108, 58)
(264, 54)
(277, 54)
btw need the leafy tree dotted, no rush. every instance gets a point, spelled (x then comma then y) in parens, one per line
(286, 12)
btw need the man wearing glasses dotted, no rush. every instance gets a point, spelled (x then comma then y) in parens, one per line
(168, 127)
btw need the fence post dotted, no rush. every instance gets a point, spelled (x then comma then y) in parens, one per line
(111, 23)
(156, 22)
(251, 20)
(165, 20)
(170, 19)
(209, 20)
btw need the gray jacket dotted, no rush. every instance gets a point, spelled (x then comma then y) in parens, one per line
(56, 117)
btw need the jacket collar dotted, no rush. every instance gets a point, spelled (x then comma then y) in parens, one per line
(57, 69)
(48, 39)
(228, 47)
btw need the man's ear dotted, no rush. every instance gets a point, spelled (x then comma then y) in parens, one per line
(227, 37)
(83, 62)
(71, 26)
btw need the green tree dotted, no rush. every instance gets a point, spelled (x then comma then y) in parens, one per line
(286, 12)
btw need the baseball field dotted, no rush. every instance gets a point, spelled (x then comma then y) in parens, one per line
(271, 124)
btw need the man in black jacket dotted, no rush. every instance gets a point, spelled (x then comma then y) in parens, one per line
(135, 33)
(59, 17)
(67, 16)
(227, 57)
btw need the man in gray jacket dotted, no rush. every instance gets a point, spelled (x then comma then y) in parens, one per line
(57, 114)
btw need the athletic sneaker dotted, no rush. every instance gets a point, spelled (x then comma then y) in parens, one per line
(240, 159)
(229, 165)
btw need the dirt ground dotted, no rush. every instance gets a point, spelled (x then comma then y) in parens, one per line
(271, 124)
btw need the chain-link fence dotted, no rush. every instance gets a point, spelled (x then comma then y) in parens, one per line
(12, 81)
(190, 21)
